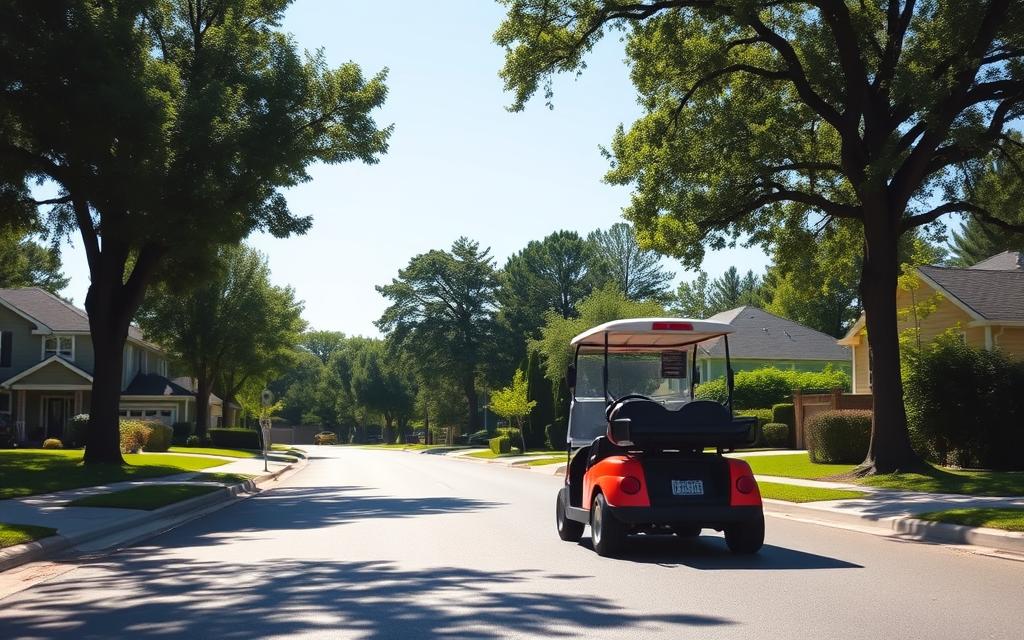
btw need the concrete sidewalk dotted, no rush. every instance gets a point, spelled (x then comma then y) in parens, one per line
(76, 525)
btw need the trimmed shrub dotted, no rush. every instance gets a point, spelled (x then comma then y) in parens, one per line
(838, 437)
(52, 443)
(501, 444)
(776, 434)
(182, 430)
(764, 416)
(134, 434)
(193, 441)
(234, 438)
(77, 430)
(514, 436)
(325, 437)
(160, 436)
(769, 386)
(784, 413)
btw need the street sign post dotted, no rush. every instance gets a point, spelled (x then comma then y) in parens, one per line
(266, 399)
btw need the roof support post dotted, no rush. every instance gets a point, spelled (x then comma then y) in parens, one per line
(988, 337)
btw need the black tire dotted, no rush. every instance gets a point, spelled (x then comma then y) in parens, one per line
(607, 534)
(745, 537)
(568, 530)
(686, 530)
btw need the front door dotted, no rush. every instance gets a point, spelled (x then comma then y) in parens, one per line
(57, 410)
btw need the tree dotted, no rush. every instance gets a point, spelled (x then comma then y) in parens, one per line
(26, 263)
(442, 313)
(693, 299)
(231, 329)
(383, 386)
(512, 403)
(703, 298)
(539, 391)
(322, 344)
(764, 116)
(1000, 187)
(636, 271)
(167, 129)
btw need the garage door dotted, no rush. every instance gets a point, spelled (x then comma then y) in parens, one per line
(165, 416)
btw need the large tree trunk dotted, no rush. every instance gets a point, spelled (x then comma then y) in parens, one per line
(469, 388)
(889, 450)
(204, 388)
(108, 324)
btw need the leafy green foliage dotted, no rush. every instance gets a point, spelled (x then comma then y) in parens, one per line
(636, 271)
(558, 431)
(769, 386)
(512, 402)
(785, 413)
(540, 391)
(1000, 187)
(382, 384)
(703, 298)
(835, 437)
(26, 263)
(965, 404)
(500, 445)
(235, 438)
(322, 344)
(776, 434)
(159, 438)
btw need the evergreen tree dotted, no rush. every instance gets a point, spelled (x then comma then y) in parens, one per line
(540, 391)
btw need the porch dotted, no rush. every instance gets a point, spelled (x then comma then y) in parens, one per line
(39, 414)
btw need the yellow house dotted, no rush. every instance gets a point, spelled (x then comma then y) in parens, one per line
(984, 302)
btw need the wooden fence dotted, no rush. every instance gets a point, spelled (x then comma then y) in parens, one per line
(808, 404)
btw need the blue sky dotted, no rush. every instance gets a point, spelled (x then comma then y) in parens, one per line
(459, 163)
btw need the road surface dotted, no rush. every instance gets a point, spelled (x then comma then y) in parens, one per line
(386, 544)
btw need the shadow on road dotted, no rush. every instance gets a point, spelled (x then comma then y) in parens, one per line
(144, 593)
(710, 553)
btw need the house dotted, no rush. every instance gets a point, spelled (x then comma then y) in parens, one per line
(983, 302)
(763, 339)
(46, 365)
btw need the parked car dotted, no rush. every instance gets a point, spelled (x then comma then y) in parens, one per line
(637, 440)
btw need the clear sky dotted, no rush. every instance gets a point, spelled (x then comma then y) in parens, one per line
(459, 163)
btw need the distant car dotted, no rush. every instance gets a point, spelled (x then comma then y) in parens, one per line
(325, 437)
(637, 439)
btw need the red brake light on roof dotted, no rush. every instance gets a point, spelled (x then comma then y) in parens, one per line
(672, 326)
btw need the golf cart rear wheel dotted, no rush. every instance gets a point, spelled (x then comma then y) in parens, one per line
(568, 530)
(607, 534)
(745, 537)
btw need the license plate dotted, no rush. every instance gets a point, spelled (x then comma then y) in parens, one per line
(687, 487)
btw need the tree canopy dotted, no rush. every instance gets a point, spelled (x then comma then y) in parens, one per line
(636, 271)
(26, 263)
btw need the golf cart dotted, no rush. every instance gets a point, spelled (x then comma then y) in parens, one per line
(637, 439)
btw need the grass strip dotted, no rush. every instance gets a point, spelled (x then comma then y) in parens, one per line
(1008, 519)
(222, 478)
(797, 493)
(26, 472)
(146, 497)
(217, 451)
(12, 534)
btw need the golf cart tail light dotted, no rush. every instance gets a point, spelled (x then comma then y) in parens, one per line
(672, 326)
(630, 485)
(745, 484)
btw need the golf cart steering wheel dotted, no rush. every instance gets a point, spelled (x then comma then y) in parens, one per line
(615, 401)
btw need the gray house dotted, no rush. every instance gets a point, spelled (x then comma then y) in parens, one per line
(766, 340)
(46, 365)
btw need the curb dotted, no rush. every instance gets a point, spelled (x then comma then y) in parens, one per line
(179, 512)
(903, 527)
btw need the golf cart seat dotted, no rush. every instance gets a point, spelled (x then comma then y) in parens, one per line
(696, 423)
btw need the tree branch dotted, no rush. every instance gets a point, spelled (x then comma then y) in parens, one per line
(958, 207)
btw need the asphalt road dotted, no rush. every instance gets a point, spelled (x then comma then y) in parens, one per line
(385, 544)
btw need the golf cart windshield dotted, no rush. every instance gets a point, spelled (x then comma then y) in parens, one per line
(659, 375)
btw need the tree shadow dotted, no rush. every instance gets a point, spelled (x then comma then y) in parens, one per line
(709, 553)
(142, 595)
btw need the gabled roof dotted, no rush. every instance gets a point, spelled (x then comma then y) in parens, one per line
(50, 314)
(45, 363)
(762, 335)
(1005, 261)
(151, 384)
(987, 294)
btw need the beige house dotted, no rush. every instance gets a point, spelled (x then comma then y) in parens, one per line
(984, 302)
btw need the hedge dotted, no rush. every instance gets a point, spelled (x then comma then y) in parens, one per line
(182, 430)
(784, 413)
(776, 434)
(838, 437)
(769, 386)
(159, 438)
(557, 433)
(500, 444)
(234, 438)
(134, 434)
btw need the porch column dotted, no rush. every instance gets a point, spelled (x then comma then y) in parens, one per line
(20, 426)
(78, 403)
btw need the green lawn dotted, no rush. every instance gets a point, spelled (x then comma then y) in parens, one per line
(795, 493)
(487, 454)
(12, 534)
(214, 451)
(147, 497)
(222, 478)
(25, 472)
(936, 480)
(1009, 519)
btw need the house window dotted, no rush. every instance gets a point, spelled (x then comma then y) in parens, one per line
(63, 346)
(5, 402)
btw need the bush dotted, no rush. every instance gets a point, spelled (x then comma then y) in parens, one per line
(234, 438)
(776, 434)
(500, 444)
(77, 430)
(769, 386)
(556, 434)
(159, 438)
(515, 437)
(134, 434)
(52, 443)
(182, 431)
(838, 437)
(965, 406)
(193, 441)
(325, 437)
(784, 413)
(764, 416)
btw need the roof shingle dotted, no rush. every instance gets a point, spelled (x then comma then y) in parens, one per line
(53, 312)
(763, 335)
(993, 294)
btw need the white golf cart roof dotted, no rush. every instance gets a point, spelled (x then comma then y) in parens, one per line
(647, 333)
